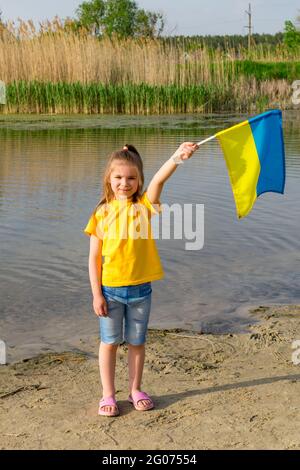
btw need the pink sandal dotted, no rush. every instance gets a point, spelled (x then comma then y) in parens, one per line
(109, 401)
(136, 397)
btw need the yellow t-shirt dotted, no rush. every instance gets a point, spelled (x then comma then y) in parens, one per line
(129, 250)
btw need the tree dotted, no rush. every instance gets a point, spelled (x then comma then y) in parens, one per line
(291, 36)
(90, 15)
(149, 23)
(121, 18)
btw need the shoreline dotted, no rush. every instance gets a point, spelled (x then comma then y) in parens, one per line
(225, 391)
(80, 342)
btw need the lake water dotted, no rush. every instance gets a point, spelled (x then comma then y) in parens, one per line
(50, 181)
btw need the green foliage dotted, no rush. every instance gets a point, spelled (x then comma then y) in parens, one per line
(148, 24)
(291, 36)
(224, 43)
(119, 18)
(97, 98)
(90, 15)
(268, 70)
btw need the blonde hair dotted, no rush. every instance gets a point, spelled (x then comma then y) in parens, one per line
(131, 156)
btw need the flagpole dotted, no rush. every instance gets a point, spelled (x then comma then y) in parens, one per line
(177, 159)
(206, 140)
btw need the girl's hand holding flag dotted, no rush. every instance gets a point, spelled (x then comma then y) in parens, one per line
(184, 152)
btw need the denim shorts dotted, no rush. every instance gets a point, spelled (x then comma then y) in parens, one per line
(128, 305)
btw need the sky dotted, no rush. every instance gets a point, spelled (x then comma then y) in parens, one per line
(184, 17)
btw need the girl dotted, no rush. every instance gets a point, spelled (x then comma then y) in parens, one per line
(120, 231)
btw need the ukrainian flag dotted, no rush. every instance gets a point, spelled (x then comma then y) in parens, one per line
(254, 154)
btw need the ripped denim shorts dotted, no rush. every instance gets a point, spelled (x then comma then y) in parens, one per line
(128, 314)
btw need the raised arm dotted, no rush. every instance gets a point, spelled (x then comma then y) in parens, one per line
(155, 187)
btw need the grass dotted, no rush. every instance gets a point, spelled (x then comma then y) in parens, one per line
(97, 98)
(268, 70)
(52, 71)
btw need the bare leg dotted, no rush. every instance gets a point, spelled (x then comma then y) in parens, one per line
(107, 367)
(136, 359)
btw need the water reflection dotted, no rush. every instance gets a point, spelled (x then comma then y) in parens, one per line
(50, 181)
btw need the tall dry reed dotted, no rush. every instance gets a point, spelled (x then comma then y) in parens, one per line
(52, 55)
(53, 70)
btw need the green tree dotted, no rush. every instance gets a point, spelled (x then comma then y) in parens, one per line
(291, 36)
(91, 14)
(121, 18)
(149, 23)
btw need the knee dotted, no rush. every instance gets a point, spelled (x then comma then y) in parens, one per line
(109, 346)
(136, 346)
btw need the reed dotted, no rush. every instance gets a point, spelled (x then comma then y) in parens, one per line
(97, 98)
(52, 70)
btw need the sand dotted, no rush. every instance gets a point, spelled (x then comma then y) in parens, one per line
(236, 391)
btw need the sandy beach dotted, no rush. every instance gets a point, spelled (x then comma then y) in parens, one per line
(234, 391)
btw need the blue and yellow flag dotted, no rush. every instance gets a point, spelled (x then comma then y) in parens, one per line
(254, 154)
